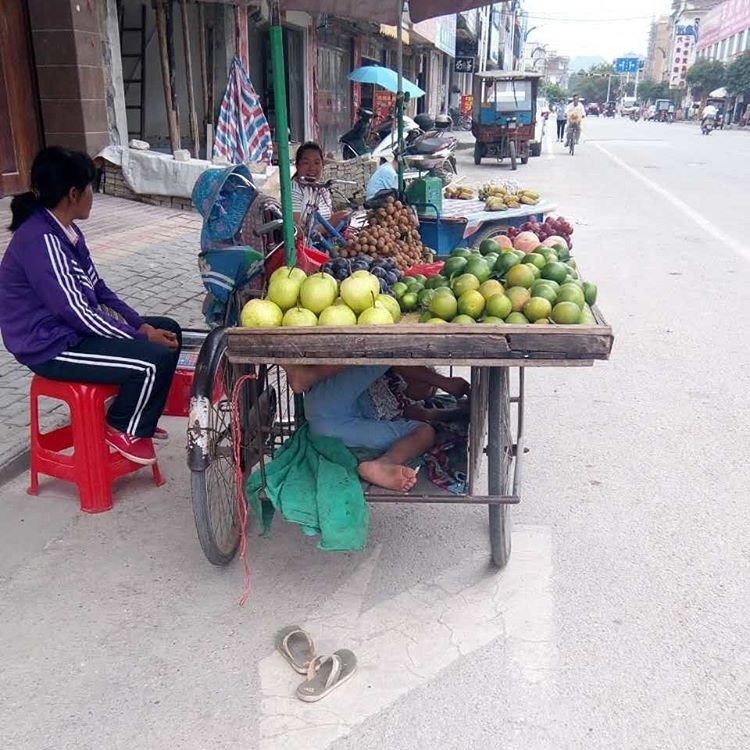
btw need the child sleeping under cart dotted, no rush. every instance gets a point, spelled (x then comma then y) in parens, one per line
(379, 408)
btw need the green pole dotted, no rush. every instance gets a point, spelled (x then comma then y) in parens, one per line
(282, 131)
(400, 94)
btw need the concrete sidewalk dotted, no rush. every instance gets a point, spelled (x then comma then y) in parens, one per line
(148, 255)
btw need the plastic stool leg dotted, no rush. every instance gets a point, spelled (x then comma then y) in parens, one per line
(33, 488)
(158, 478)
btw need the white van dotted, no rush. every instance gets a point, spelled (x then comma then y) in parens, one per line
(628, 104)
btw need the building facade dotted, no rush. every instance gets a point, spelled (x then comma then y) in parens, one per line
(91, 73)
(725, 32)
(657, 57)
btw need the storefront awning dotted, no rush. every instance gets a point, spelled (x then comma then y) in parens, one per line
(382, 11)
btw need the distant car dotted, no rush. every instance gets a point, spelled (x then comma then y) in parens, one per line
(628, 105)
(651, 112)
(593, 109)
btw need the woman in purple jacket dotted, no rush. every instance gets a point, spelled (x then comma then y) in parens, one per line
(61, 320)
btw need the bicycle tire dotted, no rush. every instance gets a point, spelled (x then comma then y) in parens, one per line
(499, 449)
(213, 481)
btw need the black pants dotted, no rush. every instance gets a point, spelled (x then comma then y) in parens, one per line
(142, 370)
(560, 129)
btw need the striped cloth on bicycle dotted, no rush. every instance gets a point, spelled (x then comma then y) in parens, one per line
(242, 131)
(223, 198)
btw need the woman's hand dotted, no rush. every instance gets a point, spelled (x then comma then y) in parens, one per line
(159, 336)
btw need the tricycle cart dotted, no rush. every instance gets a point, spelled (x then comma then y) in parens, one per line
(249, 363)
(504, 115)
(465, 223)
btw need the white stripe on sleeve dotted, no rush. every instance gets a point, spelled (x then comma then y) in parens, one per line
(76, 302)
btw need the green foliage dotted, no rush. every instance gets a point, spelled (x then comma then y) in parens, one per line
(738, 75)
(650, 91)
(705, 76)
(553, 92)
(591, 85)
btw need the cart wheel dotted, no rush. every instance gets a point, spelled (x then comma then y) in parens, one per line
(512, 151)
(524, 160)
(488, 233)
(478, 153)
(499, 461)
(210, 449)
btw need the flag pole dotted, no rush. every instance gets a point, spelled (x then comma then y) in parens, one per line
(282, 130)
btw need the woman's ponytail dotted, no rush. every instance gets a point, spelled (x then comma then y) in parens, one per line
(54, 172)
(21, 207)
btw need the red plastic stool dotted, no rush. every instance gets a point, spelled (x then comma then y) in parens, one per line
(92, 466)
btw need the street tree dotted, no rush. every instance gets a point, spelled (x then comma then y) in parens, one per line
(650, 91)
(705, 76)
(553, 92)
(591, 85)
(738, 76)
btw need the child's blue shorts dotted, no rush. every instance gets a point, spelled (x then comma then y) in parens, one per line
(341, 407)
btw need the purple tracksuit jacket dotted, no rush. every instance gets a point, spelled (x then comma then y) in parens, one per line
(51, 296)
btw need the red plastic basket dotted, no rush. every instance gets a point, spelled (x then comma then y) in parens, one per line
(309, 259)
(425, 269)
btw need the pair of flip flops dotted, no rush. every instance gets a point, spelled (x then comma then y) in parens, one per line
(324, 673)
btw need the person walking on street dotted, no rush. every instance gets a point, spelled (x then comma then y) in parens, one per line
(561, 120)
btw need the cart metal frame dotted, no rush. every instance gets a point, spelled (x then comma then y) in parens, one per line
(268, 414)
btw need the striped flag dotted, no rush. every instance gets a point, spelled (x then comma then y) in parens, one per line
(242, 132)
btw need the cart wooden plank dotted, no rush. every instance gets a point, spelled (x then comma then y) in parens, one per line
(489, 346)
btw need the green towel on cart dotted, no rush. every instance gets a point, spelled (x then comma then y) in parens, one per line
(313, 482)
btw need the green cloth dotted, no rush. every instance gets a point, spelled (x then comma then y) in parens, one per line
(313, 482)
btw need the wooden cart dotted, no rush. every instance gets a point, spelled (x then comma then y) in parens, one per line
(496, 355)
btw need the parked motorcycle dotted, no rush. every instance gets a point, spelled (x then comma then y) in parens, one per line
(635, 115)
(425, 148)
(355, 142)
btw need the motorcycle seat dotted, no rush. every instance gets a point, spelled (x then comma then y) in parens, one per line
(428, 145)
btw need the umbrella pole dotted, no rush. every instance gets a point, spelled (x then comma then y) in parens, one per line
(282, 130)
(400, 93)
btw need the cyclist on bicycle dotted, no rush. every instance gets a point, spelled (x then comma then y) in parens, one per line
(574, 114)
(308, 195)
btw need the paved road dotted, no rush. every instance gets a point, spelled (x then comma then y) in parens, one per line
(621, 620)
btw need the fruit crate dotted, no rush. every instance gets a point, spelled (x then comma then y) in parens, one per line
(409, 343)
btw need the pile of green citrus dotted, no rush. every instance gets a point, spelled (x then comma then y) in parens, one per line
(501, 285)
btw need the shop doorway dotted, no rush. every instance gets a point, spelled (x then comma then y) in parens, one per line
(294, 57)
(334, 95)
(20, 137)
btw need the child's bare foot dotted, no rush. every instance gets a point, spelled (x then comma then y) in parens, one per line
(387, 475)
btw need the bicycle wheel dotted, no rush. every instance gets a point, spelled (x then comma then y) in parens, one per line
(512, 151)
(211, 443)
(571, 145)
(499, 461)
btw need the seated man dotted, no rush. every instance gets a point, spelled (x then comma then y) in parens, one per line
(385, 177)
(338, 403)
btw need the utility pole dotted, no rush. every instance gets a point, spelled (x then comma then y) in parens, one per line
(635, 90)
(609, 85)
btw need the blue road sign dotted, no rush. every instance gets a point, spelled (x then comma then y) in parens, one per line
(626, 64)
